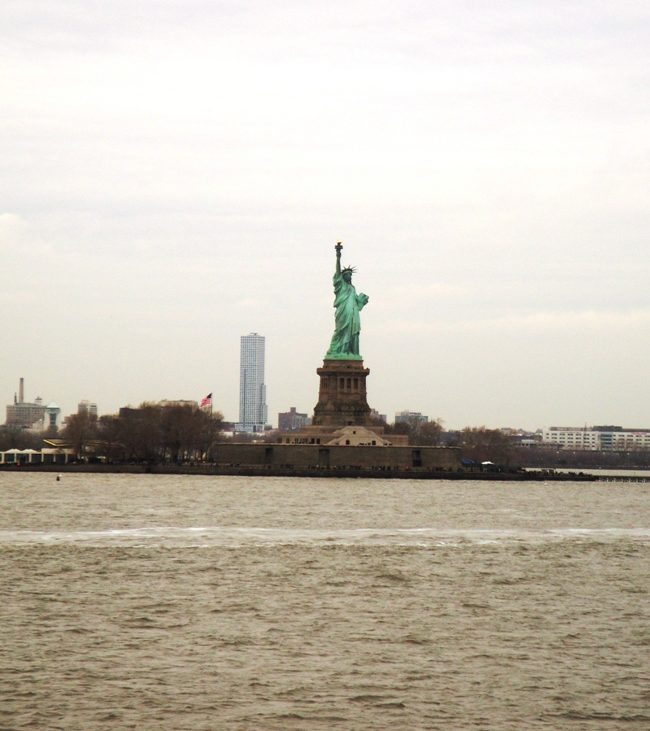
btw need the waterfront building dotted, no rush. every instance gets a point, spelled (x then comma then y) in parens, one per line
(597, 438)
(47, 455)
(292, 420)
(252, 390)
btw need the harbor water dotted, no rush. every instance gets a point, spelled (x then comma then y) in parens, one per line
(201, 603)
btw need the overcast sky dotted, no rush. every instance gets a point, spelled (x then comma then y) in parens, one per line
(175, 174)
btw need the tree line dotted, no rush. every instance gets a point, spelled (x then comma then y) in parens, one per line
(150, 433)
(477, 443)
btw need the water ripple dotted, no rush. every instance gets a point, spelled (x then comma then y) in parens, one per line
(235, 536)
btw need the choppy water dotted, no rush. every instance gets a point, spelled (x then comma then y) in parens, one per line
(148, 602)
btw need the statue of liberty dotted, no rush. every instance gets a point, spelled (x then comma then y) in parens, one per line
(345, 341)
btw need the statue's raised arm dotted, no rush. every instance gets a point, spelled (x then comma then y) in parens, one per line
(339, 248)
(347, 323)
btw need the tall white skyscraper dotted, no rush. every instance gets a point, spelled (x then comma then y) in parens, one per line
(252, 391)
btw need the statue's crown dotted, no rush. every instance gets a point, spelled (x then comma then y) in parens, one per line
(352, 270)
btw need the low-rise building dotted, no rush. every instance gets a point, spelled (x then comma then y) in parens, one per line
(47, 455)
(292, 420)
(597, 438)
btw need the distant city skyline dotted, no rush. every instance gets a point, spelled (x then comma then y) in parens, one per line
(174, 179)
(24, 413)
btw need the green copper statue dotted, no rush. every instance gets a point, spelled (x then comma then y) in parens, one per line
(345, 341)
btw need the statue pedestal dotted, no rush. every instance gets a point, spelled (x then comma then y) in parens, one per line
(342, 394)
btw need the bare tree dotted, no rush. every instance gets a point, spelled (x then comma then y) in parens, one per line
(140, 433)
(483, 445)
(428, 433)
(79, 429)
(154, 433)
(109, 434)
(424, 433)
(15, 437)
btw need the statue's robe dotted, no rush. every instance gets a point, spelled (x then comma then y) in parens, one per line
(347, 321)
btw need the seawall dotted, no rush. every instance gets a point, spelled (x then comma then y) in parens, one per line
(251, 471)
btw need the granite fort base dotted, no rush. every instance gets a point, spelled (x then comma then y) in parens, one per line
(342, 394)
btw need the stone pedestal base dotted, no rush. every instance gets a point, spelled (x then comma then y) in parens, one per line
(342, 394)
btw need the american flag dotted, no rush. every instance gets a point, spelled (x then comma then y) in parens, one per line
(207, 401)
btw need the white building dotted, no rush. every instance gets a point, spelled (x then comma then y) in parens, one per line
(34, 416)
(410, 417)
(26, 415)
(597, 438)
(87, 407)
(252, 391)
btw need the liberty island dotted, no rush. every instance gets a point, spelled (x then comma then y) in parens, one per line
(343, 439)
